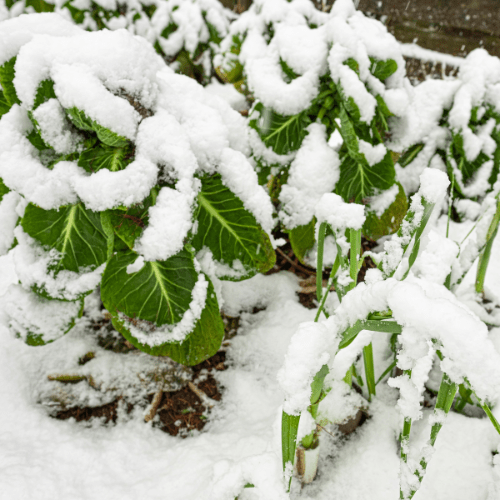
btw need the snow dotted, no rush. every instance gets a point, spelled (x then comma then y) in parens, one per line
(314, 172)
(339, 214)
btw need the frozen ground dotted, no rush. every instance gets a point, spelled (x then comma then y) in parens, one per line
(44, 458)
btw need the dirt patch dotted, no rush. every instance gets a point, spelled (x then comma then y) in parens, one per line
(107, 412)
(179, 412)
(444, 25)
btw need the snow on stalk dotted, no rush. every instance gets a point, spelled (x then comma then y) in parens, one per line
(382, 305)
(109, 183)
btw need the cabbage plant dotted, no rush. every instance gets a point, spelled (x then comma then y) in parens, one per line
(120, 174)
(459, 133)
(326, 87)
(185, 32)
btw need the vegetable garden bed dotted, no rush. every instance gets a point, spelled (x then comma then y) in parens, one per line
(282, 285)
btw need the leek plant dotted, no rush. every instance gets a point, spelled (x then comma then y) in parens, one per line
(394, 267)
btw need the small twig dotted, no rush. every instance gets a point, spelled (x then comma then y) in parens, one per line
(296, 266)
(154, 404)
(203, 397)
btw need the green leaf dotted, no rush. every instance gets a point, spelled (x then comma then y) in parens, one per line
(4, 105)
(40, 5)
(409, 155)
(383, 69)
(202, 343)
(159, 293)
(230, 231)
(83, 122)
(74, 231)
(281, 133)
(108, 230)
(44, 92)
(101, 156)
(317, 384)
(289, 428)
(7, 73)
(358, 180)
(128, 224)
(302, 239)
(3, 189)
(389, 222)
(349, 135)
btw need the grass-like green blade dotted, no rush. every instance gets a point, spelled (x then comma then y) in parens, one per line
(230, 231)
(369, 370)
(428, 208)
(319, 260)
(484, 257)
(372, 325)
(289, 427)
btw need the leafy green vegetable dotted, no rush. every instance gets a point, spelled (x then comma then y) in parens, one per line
(101, 156)
(158, 294)
(3, 189)
(358, 180)
(281, 133)
(7, 74)
(204, 341)
(128, 224)
(390, 221)
(230, 231)
(74, 231)
(383, 69)
(302, 239)
(83, 122)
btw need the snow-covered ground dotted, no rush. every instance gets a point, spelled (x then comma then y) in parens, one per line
(44, 458)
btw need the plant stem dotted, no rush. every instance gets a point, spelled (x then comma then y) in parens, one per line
(428, 208)
(450, 205)
(355, 241)
(446, 395)
(405, 442)
(387, 370)
(484, 258)
(319, 260)
(321, 306)
(289, 428)
(369, 370)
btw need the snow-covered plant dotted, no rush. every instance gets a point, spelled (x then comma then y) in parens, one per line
(454, 125)
(119, 173)
(325, 87)
(429, 321)
(185, 32)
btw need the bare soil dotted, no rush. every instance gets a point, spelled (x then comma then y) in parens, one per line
(179, 411)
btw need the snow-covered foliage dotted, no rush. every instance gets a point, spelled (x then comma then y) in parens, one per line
(185, 32)
(124, 182)
(430, 324)
(454, 125)
(326, 87)
(115, 171)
